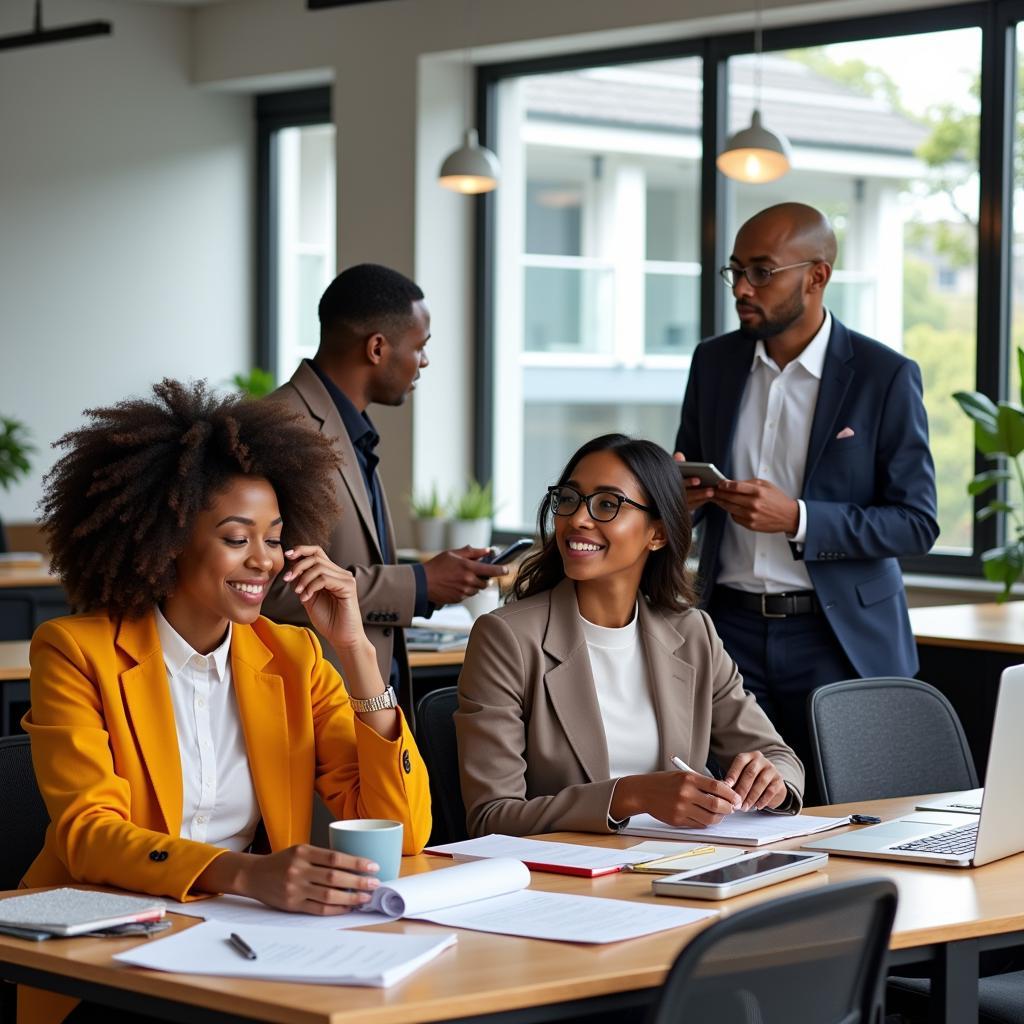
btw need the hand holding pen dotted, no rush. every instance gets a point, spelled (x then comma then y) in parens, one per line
(753, 778)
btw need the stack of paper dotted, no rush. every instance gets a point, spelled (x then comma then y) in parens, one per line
(76, 911)
(290, 954)
(743, 828)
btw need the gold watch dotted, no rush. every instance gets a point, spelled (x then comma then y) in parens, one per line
(381, 702)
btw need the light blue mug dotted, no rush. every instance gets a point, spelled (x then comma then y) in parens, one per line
(376, 839)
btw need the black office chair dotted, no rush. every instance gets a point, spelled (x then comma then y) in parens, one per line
(435, 736)
(22, 830)
(812, 958)
(889, 737)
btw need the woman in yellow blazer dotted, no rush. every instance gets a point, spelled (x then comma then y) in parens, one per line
(168, 519)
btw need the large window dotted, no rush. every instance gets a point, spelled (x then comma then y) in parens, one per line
(611, 222)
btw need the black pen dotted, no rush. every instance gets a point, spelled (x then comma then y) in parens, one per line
(865, 819)
(240, 946)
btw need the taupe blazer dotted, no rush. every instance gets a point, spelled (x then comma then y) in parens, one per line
(387, 592)
(532, 750)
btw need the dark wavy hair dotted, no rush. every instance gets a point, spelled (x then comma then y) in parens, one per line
(119, 505)
(665, 582)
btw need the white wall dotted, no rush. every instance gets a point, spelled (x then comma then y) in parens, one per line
(126, 220)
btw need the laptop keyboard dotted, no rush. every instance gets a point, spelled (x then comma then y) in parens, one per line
(962, 839)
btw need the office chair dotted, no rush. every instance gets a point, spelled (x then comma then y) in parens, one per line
(816, 957)
(887, 737)
(435, 736)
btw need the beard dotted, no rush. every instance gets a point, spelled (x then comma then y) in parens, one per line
(776, 320)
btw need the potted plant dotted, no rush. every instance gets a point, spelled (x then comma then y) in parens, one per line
(14, 462)
(257, 383)
(472, 512)
(429, 520)
(999, 436)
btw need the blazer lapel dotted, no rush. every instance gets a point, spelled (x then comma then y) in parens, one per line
(735, 373)
(672, 683)
(264, 715)
(570, 683)
(147, 696)
(323, 409)
(836, 375)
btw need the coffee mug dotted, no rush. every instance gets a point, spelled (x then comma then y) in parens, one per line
(375, 839)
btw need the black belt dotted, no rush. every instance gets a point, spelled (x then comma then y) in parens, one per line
(771, 606)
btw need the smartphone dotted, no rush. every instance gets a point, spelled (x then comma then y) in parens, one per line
(516, 548)
(708, 473)
(743, 875)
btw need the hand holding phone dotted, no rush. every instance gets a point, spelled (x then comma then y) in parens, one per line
(707, 473)
(507, 554)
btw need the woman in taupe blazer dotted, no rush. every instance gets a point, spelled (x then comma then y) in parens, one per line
(575, 697)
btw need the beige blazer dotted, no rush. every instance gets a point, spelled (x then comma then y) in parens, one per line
(387, 592)
(532, 750)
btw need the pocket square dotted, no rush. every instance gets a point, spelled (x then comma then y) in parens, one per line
(844, 433)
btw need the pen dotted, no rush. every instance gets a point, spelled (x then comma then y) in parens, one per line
(240, 946)
(643, 865)
(684, 767)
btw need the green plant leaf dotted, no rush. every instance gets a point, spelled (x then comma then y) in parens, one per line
(1010, 428)
(992, 508)
(979, 407)
(257, 383)
(988, 479)
(1020, 370)
(1004, 565)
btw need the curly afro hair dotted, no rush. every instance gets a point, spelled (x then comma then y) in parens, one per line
(119, 505)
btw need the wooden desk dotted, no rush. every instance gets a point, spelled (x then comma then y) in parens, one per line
(14, 693)
(28, 576)
(437, 659)
(944, 918)
(13, 659)
(980, 627)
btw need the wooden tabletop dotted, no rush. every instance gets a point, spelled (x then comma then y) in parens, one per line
(987, 627)
(437, 659)
(28, 576)
(491, 973)
(13, 659)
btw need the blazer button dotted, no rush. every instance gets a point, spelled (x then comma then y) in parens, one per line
(406, 762)
(386, 631)
(393, 616)
(158, 855)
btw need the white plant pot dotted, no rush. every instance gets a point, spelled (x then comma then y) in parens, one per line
(474, 532)
(429, 534)
(483, 601)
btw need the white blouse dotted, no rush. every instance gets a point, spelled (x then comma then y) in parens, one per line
(624, 696)
(218, 797)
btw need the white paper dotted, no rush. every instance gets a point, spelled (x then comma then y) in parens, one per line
(452, 618)
(287, 954)
(462, 883)
(537, 851)
(746, 828)
(564, 918)
(243, 911)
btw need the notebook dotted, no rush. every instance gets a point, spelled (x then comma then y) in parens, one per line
(76, 911)
(741, 828)
(959, 840)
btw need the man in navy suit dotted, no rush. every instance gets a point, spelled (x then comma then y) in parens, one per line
(823, 435)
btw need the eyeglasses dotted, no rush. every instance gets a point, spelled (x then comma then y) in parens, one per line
(603, 506)
(757, 274)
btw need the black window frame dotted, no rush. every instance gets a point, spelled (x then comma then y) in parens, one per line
(997, 20)
(273, 111)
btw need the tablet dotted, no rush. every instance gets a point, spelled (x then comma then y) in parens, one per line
(746, 873)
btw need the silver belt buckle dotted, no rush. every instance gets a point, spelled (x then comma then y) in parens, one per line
(764, 609)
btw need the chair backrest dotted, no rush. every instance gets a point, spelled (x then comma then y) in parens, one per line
(24, 821)
(435, 736)
(813, 958)
(888, 737)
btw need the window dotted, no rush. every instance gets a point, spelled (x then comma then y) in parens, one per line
(612, 221)
(297, 224)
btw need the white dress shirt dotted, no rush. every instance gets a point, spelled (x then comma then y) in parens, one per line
(770, 443)
(624, 696)
(218, 798)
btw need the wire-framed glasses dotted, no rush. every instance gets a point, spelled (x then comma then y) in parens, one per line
(603, 506)
(757, 273)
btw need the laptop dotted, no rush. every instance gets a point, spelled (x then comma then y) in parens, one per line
(955, 839)
(967, 801)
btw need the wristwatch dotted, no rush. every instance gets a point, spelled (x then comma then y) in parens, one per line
(381, 702)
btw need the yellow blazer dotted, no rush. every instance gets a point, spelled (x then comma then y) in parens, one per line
(105, 752)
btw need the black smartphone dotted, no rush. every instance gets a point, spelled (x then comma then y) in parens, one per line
(516, 548)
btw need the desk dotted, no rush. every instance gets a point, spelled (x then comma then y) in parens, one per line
(963, 648)
(14, 672)
(437, 659)
(944, 918)
(28, 576)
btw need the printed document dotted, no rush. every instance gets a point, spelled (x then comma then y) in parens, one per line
(744, 828)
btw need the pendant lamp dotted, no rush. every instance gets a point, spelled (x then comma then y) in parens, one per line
(471, 169)
(755, 154)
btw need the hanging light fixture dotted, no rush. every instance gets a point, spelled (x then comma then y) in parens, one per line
(471, 169)
(755, 154)
(39, 35)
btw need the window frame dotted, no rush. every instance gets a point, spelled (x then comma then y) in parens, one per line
(997, 20)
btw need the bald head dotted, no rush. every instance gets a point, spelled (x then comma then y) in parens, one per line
(796, 227)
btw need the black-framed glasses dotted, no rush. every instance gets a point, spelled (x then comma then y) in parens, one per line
(603, 506)
(757, 274)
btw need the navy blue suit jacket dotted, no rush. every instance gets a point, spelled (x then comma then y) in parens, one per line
(870, 497)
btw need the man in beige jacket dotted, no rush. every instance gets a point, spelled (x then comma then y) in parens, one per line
(374, 327)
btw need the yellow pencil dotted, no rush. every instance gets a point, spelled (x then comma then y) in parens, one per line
(648, 865)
